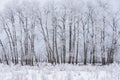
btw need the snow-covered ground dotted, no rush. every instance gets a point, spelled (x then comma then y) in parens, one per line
(60, 72)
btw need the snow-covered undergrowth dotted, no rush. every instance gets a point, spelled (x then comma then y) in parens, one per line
(60, 72)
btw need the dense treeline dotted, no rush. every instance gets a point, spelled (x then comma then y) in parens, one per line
(67, 31)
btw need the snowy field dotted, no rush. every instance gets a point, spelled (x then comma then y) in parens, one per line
(60, 72)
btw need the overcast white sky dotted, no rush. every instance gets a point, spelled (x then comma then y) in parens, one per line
(116, 3)
(2, 3)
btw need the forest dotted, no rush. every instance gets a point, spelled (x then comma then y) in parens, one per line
(59, 32)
